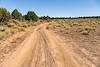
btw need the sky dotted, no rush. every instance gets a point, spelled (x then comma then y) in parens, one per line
(54, 8)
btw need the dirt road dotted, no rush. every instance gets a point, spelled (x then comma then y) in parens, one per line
(43, 48)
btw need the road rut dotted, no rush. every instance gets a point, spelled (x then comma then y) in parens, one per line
(42, 48)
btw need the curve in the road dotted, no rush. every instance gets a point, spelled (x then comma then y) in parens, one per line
(42, 49)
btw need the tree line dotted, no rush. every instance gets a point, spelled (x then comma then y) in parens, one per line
(84, 17)
(5, 16)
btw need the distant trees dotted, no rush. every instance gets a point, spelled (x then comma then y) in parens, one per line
(31, 16)
(16, 15)
(4, 15)
(84, 17)
(45, 18)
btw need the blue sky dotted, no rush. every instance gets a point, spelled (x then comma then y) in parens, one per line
(55, 8)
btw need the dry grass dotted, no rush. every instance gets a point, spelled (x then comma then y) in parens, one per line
(14, 26)
(82, 26)
(85, 33)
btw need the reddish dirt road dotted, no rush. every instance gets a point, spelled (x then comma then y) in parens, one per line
(43, 48)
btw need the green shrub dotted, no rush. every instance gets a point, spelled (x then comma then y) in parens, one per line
(4, 16)
(16, 15)
(45, 18)
(31, 16)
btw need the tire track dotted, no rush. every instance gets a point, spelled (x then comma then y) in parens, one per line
(49, 60)
(42, 49)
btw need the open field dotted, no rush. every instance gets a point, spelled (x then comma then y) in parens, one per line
(59, 43)
(85, 33)
(49, 33)
(14, 26)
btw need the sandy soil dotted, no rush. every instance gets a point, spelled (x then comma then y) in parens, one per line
(44, 48)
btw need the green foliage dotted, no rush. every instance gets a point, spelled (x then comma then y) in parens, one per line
(16, 15)
(45, 18)
(4, 16)
(31, 16)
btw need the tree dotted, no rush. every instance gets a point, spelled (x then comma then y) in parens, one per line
(45, 18)
(16, 15)
(31, 16)
(4, 15)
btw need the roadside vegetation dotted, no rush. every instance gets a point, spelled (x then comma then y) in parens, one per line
(79, 26)
(14, 22)
(85, 33)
